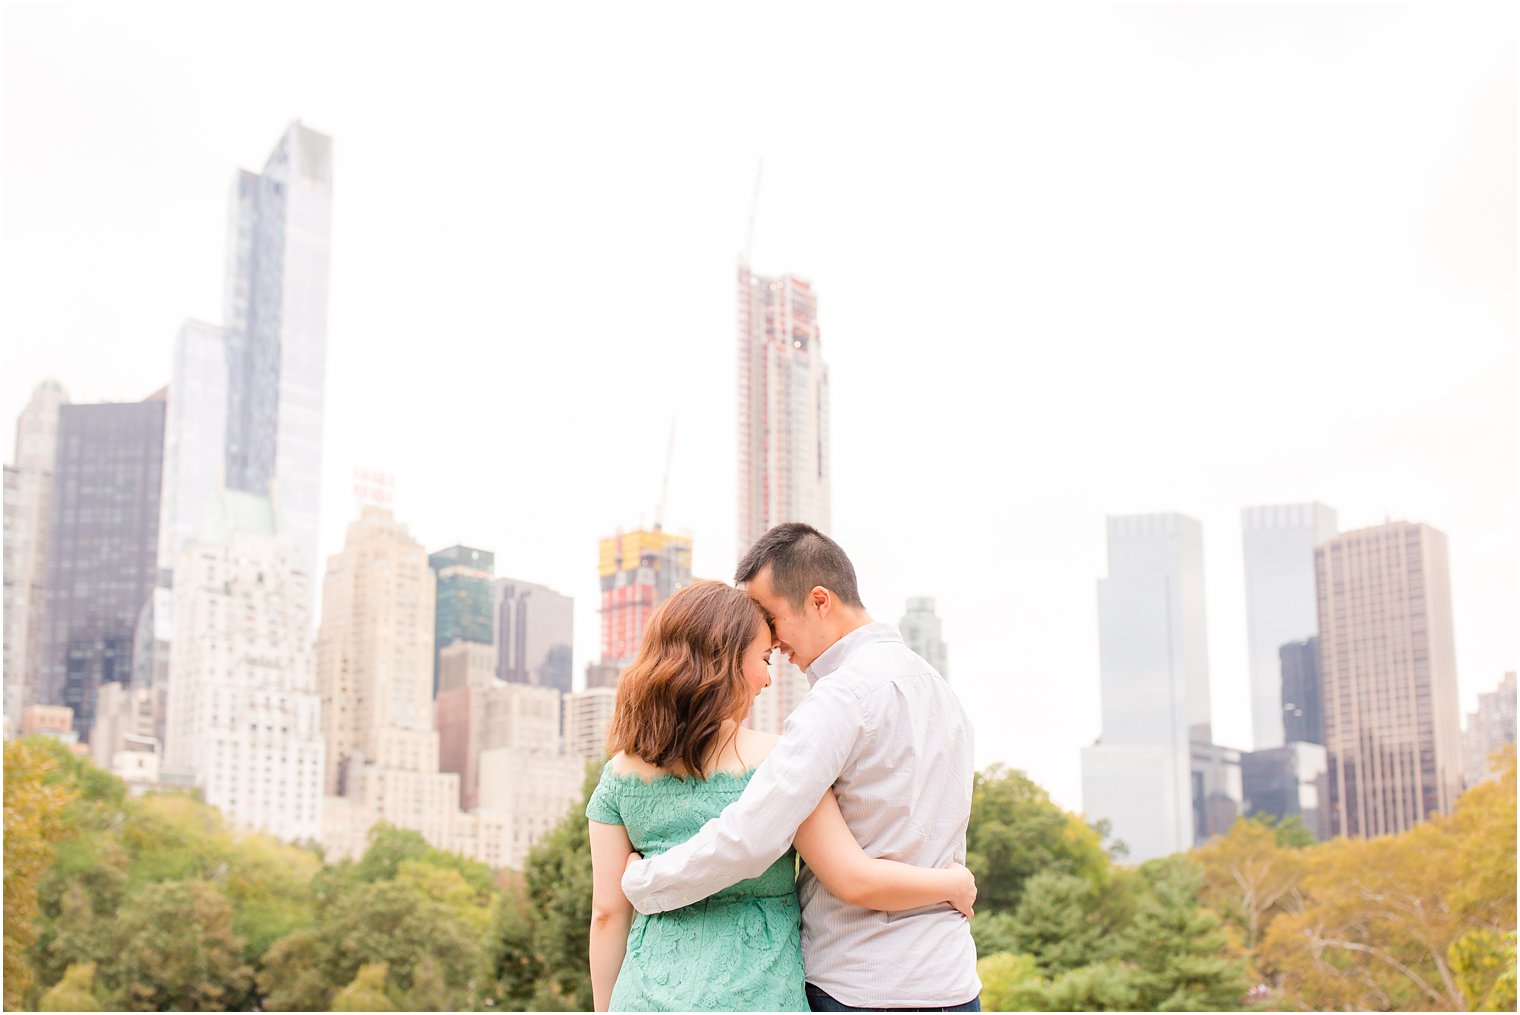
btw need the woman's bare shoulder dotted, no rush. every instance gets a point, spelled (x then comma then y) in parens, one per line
(754, 747)
(624, 764)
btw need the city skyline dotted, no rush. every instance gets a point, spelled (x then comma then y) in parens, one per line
(1011, 359)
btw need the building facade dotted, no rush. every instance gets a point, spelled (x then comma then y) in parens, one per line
(375, 677)
(783, 404)
(638, 571)
(124, 721)
(275, 319)
(588, 714)
(920, 628)
(1289, 782)
(102, 548)
(1389, 678)
(28, 521)
(375, 652)
(1488, 729)
(535, 628)
(529, 792)
(473, 719)
(1303, 714)
(1217, 790)
(464, 605)
(244, 718)
(1281, 609)
(1153, 667)
(195, 438)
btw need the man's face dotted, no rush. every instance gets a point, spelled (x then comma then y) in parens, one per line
(799, 632)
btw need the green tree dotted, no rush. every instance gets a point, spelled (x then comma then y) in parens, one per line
(1385, 923)
(1016, 832)
(429, 990)
(34, 823)
(175, 949)
(557, 888)
(516, 967)
(1102, 986)
(75, 992)
(269, 885)
(390, 847)
(539, 933)
(1009, 982)
(1181, 958)
(1290, 831)
(1250, 877)
(1066, 922)
(366, 991)
(382, 921)
(994, 933)
(1483, 963)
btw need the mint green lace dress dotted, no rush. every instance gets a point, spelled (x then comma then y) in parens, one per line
(738, 950)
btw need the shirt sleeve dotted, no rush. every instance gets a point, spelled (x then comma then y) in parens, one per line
(752, 832)
(602, 807)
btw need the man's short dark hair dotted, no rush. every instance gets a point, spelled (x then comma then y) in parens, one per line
(801, 558)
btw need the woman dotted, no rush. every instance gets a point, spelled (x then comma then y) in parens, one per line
(679, 757)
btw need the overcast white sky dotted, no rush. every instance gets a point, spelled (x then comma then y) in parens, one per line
(1071, 261)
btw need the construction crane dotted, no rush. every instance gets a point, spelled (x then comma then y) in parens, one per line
(659, 510)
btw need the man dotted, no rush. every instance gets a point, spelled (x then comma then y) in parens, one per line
(888, 734)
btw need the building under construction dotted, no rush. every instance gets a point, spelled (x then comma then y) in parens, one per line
(639, 570)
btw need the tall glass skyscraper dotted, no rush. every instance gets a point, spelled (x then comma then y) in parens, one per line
(195, 435)
(1153, 663)
(276, 328)
(103, 547)
(1279, 541)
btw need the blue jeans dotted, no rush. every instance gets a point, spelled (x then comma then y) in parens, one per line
(821, 1000)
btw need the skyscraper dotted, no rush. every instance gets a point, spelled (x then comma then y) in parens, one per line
(374, 675)
(783, 388)
(243, 713)
(28, 518)
(1289, 782)
(921, 633)
(465, 604)
(535, 628)
(1153, 663)
(1389, 677)
(103, 547)
(1279, 543)
(1303, 714)
(375, 652)
(195, 438)
(638, 570)
(1489, 728)
(276, 330)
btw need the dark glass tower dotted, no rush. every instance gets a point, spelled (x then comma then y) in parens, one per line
(534, 632)
(466, 600)
(103, 548)
(1303, 715)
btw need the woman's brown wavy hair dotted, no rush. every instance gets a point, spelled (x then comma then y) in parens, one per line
(687, 678)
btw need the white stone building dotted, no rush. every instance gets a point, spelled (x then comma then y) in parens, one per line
(243, 716)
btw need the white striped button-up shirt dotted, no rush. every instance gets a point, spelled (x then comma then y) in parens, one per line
(889, 735)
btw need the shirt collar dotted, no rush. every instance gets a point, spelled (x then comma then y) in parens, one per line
(835, 655)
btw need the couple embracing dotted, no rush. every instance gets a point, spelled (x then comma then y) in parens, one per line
(697, 821)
